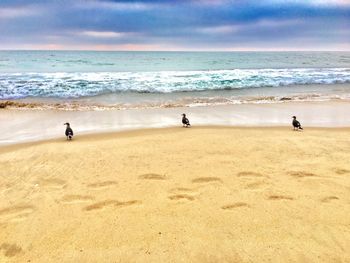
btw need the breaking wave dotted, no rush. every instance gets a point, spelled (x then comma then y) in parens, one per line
(77, 85)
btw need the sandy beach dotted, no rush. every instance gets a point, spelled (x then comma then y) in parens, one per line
(204, 194)
(96, 165)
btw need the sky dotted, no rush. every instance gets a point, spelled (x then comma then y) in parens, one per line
(171, 25)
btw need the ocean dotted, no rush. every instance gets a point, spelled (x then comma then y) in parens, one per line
(123, 80)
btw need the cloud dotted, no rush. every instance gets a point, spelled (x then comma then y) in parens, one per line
(174, 24)
(313, 2)
(223, 29)
(15, 12)
(117, 6)
(103, 34)
(241, 27)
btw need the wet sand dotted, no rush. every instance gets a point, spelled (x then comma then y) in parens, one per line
(35, 125)
(204, 194)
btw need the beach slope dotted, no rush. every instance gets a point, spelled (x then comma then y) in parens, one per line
(206, 194)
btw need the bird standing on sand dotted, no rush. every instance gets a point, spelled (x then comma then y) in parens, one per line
(296, 124)
(185, 121)
(69, 131)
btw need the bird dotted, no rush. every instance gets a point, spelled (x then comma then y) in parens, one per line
(69, 131)
(185, 121)
(296, 124)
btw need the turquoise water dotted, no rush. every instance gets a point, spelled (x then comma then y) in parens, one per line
(173, 77)
(85, 61)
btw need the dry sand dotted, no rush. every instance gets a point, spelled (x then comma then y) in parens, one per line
(205, 194)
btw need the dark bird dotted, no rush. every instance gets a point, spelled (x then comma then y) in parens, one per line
(296, 124)
(69, 131)
(185, 121)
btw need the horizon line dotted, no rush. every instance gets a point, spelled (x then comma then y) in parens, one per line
(253, 50)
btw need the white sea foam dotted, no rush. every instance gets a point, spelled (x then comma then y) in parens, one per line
(76, 85)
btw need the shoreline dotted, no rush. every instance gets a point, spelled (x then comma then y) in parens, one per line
(86, 137)
(130, 100)
(21, 126)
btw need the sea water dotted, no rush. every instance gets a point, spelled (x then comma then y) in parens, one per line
(171, 79)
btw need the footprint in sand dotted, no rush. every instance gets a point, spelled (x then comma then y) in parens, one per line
(182, 193)
(328, 199)
(342, 171)
(70, 199)
(249, 174)
(152, 176)
(16, 213)
(10, 250)
(280, 197)
(206, 180)
(234, 205)
(103, 184)
(54, 183)
(110, 203)
(182, 197)
(100, 205)
(301, 174)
